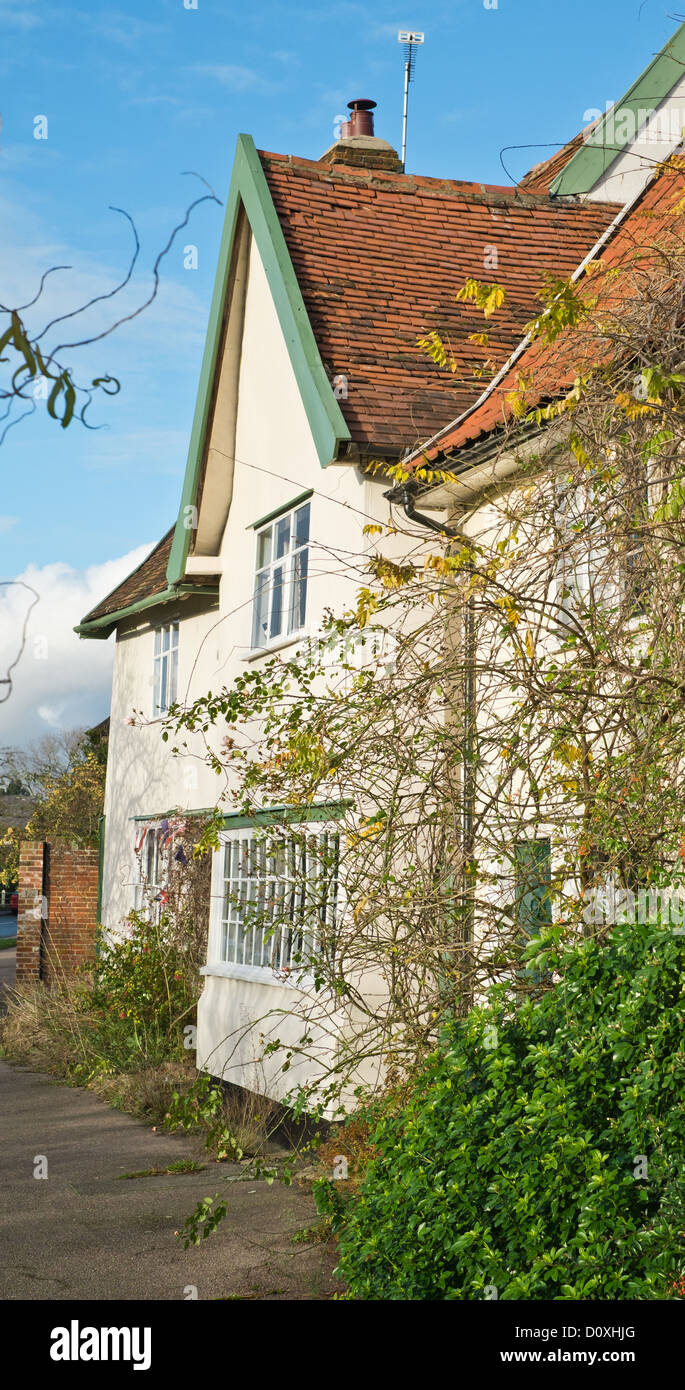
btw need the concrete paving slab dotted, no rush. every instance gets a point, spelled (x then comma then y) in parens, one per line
(85, 1233)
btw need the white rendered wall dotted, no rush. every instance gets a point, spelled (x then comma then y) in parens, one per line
(143, 777)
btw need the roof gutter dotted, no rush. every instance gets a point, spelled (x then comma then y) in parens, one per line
(404, 495)
(599, 245)
(101, 627)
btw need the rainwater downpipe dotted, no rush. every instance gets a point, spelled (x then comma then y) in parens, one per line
(405, 496)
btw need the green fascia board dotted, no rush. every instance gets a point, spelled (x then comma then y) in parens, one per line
(270, 815)
(101, 627)
(605, 144)
(280, 815)
(166, 815)
(250, 190)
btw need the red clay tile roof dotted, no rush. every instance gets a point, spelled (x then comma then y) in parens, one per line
(379, 258)
(148, 579)
(548, 371)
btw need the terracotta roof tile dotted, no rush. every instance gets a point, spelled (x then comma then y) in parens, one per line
(549, 370)
(379, 258)
(148, 579)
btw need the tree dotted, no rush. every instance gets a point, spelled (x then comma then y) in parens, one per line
(36, 369)
(64, 775)
(47, 757)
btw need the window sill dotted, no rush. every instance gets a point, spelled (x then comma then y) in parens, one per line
(277, 645)
(256, 975)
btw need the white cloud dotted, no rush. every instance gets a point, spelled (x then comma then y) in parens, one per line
(52, 715)
(117, 26)
(7, 522)
(60, 679)
(164, 451)
(177, 308)
(235, 77)
(18, 16)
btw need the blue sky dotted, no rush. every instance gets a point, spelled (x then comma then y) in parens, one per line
(137, 93)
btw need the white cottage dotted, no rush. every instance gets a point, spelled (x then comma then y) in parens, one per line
(329, 271)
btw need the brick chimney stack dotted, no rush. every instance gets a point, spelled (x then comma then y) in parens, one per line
(358, 146)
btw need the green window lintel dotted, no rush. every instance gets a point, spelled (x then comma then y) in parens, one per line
(273, 815)
(279, 511)
(235, 820)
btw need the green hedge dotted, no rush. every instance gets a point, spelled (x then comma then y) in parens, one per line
(513, 1171)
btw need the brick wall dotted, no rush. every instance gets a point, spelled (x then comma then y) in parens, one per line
(30, 914)
(58, 895)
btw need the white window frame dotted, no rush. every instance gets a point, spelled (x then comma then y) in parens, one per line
(601, 572)
(255, 876)
(149, 888)
(581, 573)
(164, 667)
(280, 596)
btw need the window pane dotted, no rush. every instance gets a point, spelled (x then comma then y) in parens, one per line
(264, 548)
(533, 884)
(258, 930)
(165, 639)
(276, 624)
(298, 592)
(150, 857)
(158, 641)
(230, 946)
(302, 525)
(282, 537)
(173, 676)
(261, 610)
(163, 679)
(268, 945)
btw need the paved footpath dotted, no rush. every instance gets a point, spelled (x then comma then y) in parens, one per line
(85, 1233)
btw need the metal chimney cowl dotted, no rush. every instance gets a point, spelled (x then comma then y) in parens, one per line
(358, 145)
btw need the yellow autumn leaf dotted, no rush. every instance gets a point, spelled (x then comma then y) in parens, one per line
(632, 408)
(486, 297)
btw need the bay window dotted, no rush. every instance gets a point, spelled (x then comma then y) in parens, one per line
(275, 898)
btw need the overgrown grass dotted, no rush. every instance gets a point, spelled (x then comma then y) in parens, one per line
(181, 1165)
(234, 1123)
(119, 1026)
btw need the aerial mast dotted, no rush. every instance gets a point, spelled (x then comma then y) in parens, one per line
(409, 38)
